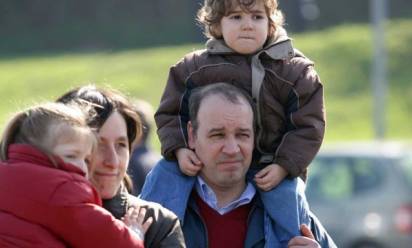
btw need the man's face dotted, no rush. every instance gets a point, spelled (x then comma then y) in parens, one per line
(223, 141)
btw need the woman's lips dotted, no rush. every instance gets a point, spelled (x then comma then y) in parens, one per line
(106, 174)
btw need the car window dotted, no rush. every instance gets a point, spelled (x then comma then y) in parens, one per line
(329, 179)
(339, 178)
(367, 174)
(406, 165)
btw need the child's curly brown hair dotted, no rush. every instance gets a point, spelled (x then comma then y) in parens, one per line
(213, 11)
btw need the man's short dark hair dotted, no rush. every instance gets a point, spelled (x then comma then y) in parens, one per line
(226, 91)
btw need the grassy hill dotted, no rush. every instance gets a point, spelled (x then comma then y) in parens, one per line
(342, 55)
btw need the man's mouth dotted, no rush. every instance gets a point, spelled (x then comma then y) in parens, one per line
(230, 164)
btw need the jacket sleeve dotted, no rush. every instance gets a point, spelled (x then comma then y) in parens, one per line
(171, 119)
(305, 124)
(320, 233)
(81, 223)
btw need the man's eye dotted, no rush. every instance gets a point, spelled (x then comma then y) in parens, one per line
(217, 135)
(244, 135)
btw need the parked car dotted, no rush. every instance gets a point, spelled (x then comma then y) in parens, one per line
(362, 193)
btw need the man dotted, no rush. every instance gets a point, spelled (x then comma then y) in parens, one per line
(224, 209)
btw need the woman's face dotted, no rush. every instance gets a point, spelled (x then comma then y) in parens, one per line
(109, 163)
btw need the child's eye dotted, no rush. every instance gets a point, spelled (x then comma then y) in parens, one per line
(87, 161)
(70, 156)
(235, 17)
(258, 17)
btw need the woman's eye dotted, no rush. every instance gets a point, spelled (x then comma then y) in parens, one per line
(122, 145)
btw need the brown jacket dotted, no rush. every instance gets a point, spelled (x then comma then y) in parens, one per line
(291, 118)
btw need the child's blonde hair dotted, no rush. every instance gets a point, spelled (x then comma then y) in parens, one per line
(45, 125)
(213, 11)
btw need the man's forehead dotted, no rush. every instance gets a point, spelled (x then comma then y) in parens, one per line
(223, 101)
(217, 113)
(224, 128)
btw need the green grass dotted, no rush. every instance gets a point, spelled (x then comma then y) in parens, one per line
(342, 55)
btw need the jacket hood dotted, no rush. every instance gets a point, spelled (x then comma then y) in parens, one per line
(18, 153)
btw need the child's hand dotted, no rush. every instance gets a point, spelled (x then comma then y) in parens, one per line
(270, 176)
(188, 161)
(134, 219)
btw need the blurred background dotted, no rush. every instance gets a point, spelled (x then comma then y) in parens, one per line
(49, 46)
(362, 52)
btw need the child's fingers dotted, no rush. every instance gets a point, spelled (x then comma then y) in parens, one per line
(194, 159)
(187, 167)
(147, 224)
(264, 187)
(265, 183)
(141, 215)
(263, 172)
(190, 170)
(263, 179)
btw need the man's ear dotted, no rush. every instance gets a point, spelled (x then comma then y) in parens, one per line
(190, 135)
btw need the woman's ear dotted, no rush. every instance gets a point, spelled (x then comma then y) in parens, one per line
(191, 135)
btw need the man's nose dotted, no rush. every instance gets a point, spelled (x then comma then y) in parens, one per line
(111, 157)
(231, 146)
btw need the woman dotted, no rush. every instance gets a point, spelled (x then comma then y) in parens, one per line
(117, 125)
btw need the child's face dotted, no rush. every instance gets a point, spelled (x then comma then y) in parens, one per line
(76, 151)
(245, 32)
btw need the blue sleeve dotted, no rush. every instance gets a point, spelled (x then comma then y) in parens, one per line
(320, 233)
(169, 187)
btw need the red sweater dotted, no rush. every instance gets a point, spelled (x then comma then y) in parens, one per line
(41, 206)
(225, 231)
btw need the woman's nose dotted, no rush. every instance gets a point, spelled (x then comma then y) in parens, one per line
(111, 157)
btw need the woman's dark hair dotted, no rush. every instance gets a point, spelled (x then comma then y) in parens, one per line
(105, 102)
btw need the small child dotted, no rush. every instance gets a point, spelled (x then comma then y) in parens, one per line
(45, 152)
(248, 48)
